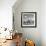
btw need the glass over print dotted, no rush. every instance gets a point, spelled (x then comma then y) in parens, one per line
(28, 19)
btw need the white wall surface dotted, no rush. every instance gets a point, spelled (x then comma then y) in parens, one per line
(43, 22)
(6, 13)
(37, 34)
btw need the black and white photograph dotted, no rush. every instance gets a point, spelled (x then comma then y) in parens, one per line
(28, 19)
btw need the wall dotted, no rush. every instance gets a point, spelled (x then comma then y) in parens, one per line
(6, 13)
(43, 22)
(28, 6)
(37, 34)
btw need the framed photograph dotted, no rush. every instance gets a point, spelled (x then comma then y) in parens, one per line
(28, 19)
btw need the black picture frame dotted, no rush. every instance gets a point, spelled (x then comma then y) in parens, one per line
(29, 19)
